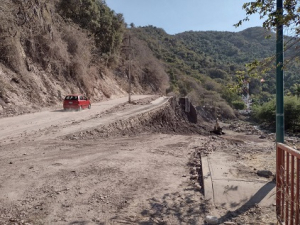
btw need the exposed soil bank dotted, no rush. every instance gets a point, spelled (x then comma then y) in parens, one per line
(142, 169)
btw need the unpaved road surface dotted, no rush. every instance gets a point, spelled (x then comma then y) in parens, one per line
(48, 178)
(60, 168)
(51, 124)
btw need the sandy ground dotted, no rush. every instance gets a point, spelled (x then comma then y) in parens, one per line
(112, 181)
(240, 194)
(148, 178)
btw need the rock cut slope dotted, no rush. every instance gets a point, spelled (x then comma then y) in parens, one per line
(45, 55)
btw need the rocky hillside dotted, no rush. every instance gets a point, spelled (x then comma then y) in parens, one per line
(50, 48)
(48, 52)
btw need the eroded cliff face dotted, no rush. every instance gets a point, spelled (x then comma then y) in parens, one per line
(44, 57)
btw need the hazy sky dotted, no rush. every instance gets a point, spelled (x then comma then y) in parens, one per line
(176, 16)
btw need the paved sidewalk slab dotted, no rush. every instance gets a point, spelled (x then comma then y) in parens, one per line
(225, 188)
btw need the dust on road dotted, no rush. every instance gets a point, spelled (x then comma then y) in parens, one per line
(145, 177)
(136, 179)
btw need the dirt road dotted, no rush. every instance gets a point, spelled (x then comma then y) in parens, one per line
(48, 179)
(51, 173)
(41, 124)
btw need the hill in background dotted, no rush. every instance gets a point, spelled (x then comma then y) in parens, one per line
(53, 48)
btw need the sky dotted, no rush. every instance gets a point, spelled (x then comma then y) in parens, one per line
(176, 16)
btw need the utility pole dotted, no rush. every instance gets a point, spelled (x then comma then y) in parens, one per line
(128, 50)
(279, 100)
(279, 75)
(129, 70)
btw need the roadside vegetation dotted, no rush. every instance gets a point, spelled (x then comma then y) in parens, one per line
(265, 114)
(210, 67)
(264, 101)
(106, 26)
(79, 44)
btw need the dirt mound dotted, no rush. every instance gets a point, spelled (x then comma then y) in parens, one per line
(169, 118)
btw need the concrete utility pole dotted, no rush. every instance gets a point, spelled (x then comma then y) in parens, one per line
(129, 70)
(128, 50)
(279, 76)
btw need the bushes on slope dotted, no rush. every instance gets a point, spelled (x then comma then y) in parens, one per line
(267, 113)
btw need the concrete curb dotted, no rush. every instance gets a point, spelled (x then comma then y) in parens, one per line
(207, 181)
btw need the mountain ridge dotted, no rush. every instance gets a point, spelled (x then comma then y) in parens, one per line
(48, 52)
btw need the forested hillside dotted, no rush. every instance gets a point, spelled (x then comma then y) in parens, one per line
(53, 48)
(203, 64)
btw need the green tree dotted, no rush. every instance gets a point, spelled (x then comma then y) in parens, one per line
(266, 113)
(267, 10)
(238, 104)
(271, 18)
(106, 26)
(296, 90)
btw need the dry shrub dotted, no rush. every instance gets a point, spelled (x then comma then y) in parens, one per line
(208, 98)
(64, 54)
(78, 43)
(194, 97)
(23, 25)
(3, 89)
(192, 84)
(78, 46)
(44, 51)
(11, 49)
(60, 70)
(100, 84)
(60, 49)
(211, 103)
(71, 40)
(34, 42)
(212, 85)
(106, 92)
(155, 76)
(79, 75)
(225, 111)
(151, 73)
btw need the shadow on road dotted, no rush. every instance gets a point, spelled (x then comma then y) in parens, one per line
(255, 199)
(172, 208)
(79, 223)
(58, 110)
